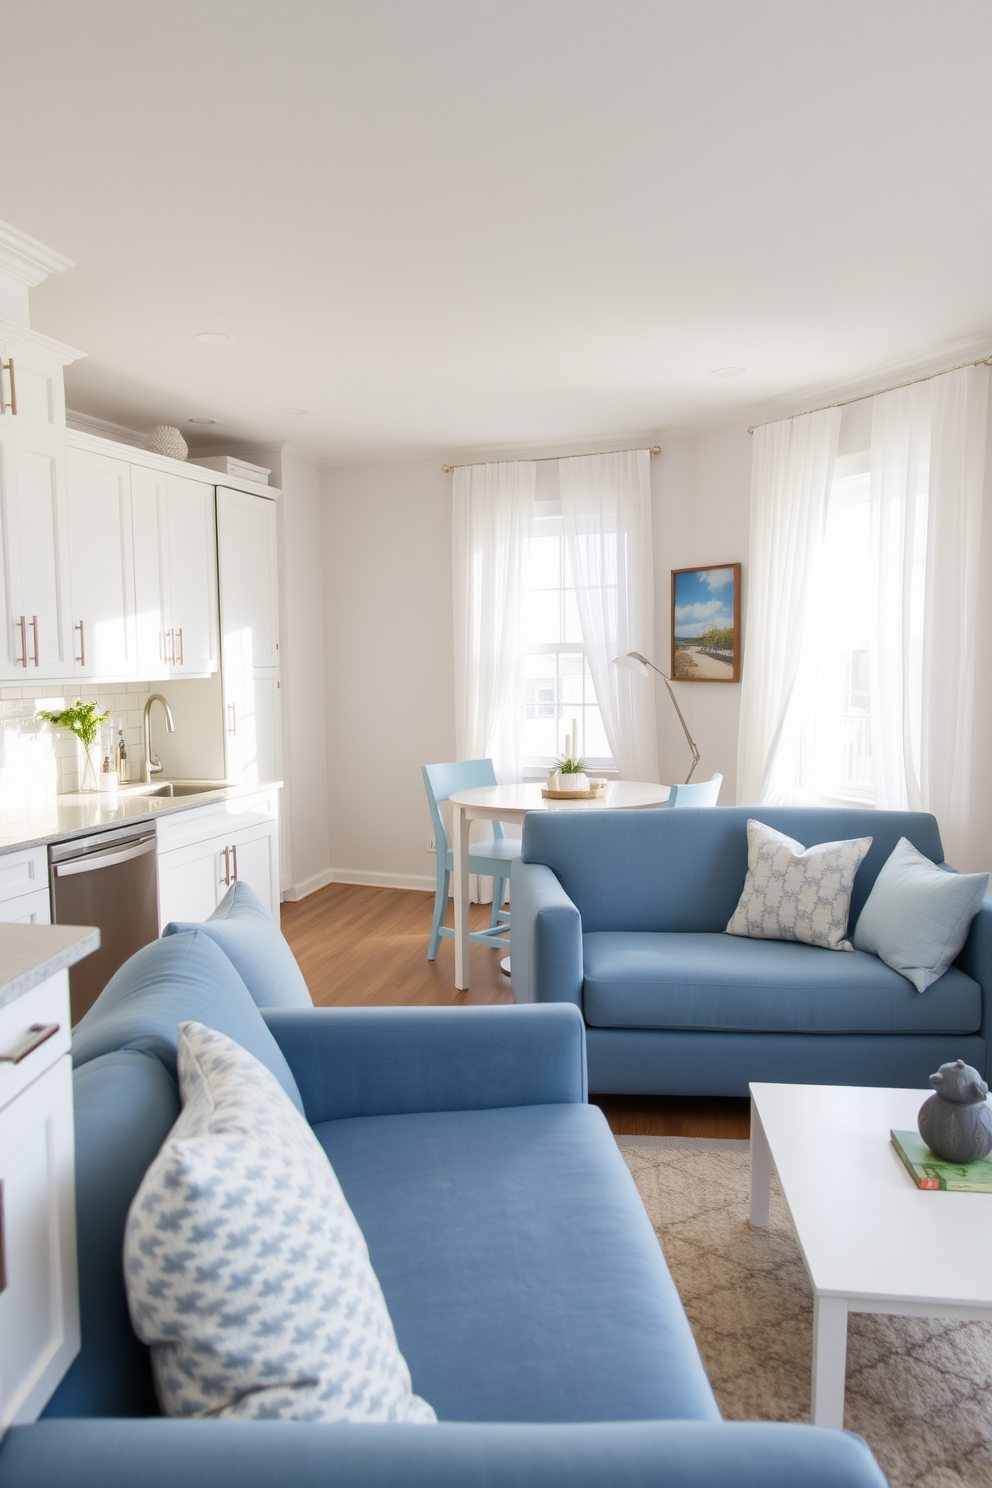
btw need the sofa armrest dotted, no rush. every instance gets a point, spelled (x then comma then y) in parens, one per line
(976, 960)
(160, 1453)
(393, 1060)
(546, 937)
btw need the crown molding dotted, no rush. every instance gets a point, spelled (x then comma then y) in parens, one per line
(88, 423)
(26, 259)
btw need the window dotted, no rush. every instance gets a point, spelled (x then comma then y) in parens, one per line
(558, 687)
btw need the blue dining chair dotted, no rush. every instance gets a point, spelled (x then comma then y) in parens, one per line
(492, 857)
(703, 793)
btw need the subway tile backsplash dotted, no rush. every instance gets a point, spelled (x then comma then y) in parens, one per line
(37, 760)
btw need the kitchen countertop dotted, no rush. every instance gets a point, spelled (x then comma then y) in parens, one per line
(30, 954)
(61, 817)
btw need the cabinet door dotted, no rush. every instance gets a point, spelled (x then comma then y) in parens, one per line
(253, 726)
(101, 566)
(247, 561)
(26, 909)
(35, 386)
(39, 1305)
(149, 530)
(36, 645)
(189, 882)
(255, 861)
(191, 557)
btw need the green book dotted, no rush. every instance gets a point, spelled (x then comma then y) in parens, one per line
(930, 1171)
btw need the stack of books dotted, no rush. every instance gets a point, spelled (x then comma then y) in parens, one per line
(930, 1171)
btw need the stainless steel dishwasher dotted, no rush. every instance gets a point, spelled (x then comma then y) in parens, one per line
(109, 879)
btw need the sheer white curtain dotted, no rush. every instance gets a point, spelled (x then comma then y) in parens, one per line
(606, 508)
(928, 457)
(493, 509)
(792, 466)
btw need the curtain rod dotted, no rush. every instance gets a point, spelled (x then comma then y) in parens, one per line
(543, 459)
(985, 361)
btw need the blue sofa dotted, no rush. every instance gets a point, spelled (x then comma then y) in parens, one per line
(621, 913)
(525, 1283)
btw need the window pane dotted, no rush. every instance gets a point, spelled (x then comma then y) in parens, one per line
(545, 563)
(573, 630)
(542, 616)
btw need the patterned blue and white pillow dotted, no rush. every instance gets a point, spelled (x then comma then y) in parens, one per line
(793, 892)
(246, 1271)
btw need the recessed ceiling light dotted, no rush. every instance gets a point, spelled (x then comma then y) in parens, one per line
(213, 338)
(195, 420)
(294, 410)
(728, 371)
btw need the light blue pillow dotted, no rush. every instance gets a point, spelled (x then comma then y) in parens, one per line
(167, 983)
(245, 932)
(917, 916)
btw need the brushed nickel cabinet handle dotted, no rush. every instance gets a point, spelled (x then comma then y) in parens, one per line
(22, 626)
(81, 658)
(234, 855)
(232, 719)
(225, 877)
(34, 627)
(10, 404)
(37, 1034)
(181, 659)
(170, 646)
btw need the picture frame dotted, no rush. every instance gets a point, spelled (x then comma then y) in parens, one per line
(706, 623)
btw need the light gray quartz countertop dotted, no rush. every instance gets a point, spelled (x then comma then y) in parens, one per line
(54, 818)
(30, 954)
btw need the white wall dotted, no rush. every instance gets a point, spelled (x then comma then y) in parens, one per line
(304, 629)
(700, 488)
(389, 664)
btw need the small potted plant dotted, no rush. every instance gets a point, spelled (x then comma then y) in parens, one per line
(571, 774)
(83, 720)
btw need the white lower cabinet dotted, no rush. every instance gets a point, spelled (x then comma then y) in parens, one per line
(24, 887)
(39, 1301)
(203, 852)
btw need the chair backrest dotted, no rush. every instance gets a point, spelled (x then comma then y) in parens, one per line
(441, 781)
(703, 793)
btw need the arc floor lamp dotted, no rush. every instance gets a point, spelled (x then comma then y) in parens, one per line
(635, 662)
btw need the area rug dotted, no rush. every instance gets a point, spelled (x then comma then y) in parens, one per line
(919, 1390)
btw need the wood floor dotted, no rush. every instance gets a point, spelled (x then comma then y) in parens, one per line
(368, 947)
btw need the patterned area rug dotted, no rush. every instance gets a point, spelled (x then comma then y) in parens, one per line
(919, 1390)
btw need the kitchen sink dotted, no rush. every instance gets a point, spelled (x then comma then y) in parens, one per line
(182, 788)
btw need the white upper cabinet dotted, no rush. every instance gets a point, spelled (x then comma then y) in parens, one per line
(101, 566)
(175, 566)
(36, 640)
(191, 556)
(249, 578)
(32, 369)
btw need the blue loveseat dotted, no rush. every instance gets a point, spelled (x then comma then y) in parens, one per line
(525, 1283)
(621, 913)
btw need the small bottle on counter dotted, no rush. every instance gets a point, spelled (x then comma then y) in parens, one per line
(108, 779)
(120, 757)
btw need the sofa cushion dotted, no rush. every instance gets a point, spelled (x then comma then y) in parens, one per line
(918, 915)
(246, 933)
(167, 983)
(522, 1275)
(125, 1104)
(792, 893)
(245, 1270)
(641, 980)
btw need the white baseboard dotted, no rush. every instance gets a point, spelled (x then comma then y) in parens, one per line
(309, 885)
(423, 881)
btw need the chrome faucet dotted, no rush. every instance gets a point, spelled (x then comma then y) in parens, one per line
(152, 762)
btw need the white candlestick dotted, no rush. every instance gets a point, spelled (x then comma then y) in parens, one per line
(575, 736)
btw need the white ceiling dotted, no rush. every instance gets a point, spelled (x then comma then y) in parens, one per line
(459, 226)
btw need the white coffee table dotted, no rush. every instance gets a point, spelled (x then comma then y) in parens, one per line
(870, 1239)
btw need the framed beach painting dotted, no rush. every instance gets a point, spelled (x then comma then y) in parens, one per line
(706, 624)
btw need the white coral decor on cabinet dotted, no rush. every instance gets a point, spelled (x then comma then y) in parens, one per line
(797, 893)
(246, 1270)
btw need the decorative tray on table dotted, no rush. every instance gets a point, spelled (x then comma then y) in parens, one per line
(591, 794)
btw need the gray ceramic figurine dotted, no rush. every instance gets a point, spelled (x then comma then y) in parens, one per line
(956, 1123)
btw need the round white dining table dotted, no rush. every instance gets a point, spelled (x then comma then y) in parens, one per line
(511, 803)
